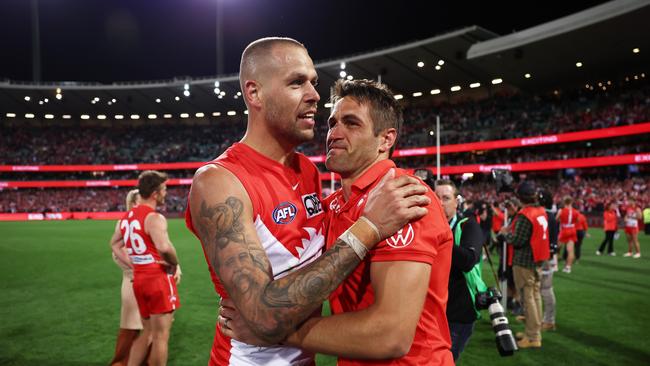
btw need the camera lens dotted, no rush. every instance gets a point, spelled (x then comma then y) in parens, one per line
(506, 344)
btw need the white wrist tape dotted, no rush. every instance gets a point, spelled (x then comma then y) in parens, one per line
(372, 226)
(353, 242)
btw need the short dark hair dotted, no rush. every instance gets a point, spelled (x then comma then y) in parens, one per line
(149, 181)
(385, 111)
(447, 182)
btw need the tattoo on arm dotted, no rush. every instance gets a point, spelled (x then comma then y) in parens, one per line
(272, 308)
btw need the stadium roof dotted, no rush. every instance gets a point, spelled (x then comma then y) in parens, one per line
(602, 38)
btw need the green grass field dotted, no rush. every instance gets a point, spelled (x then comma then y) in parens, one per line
(60, 303)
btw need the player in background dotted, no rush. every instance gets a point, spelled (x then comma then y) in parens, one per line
(143, 232)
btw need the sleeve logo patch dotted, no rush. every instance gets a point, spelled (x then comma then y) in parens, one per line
(312, 205)
(284, 213)
(402, 238)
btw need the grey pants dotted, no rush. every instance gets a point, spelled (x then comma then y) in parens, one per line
(548, 295)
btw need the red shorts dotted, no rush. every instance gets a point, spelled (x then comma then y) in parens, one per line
(631, 230)
(567, 235)
(156, 294)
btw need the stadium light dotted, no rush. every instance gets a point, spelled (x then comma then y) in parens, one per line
(343, 74)
(342, 65)
(11, 115)
(438, 67)
(29, 115)
(185, 115)
(59, 96)
(49, 116)
(246, 111)
(328, 105)
(420, 64)
(152, 116)
(232, 113)
(167, 115)
(217, 84)
(186, 93)
(431, 133)
(58, 90)
(217, 91)
(27, 98)
(200, 115)
(417, 94)
(398, 96)
(441, 62)
(177, 98)
(578, 64)
(135, 116)
(216, 114)
(119, 116)
(455, 88)
(157, 100)
(46, 100)
(40, 102)
(527, 76)
(85, 116)
(349, 77)
(101, 116)
(114, 100)
(66, 116)
(474, 85)
(186, 86)
(435, 91)
(636, 50)
(497, 81)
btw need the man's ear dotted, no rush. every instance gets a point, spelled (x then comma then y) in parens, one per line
(388, 139)
(252, 93)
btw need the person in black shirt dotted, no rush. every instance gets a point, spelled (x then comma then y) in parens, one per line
(466, 254)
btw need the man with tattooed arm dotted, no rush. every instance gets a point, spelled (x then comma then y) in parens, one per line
(391, 309)
(257, 211)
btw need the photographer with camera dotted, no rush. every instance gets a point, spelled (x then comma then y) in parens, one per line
(465, 274)
(530, 241)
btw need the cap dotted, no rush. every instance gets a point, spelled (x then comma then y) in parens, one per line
(525, 189)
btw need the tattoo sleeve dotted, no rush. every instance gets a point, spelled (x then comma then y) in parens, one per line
(272, 308)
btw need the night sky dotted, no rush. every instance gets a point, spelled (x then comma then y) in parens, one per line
(119, 40)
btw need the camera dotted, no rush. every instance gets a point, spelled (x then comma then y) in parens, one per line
(503, 179)
(426, 175)
(506, 344)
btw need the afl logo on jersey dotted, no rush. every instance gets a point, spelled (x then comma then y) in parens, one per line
(312, 205)
(284, 213)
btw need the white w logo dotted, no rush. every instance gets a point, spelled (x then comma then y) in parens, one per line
(401, 238)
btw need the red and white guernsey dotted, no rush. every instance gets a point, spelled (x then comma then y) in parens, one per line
(631, 217)
(288, 218)
(139, 245)
(427, 240)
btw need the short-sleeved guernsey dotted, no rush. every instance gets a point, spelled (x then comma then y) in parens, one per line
(428, 240)
(288, 218)
(568, 218)
(154, 289)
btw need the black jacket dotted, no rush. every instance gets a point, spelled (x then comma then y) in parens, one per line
(459, 306)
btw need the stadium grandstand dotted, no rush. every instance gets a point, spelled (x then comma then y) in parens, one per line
(564, 104)
(502, 102)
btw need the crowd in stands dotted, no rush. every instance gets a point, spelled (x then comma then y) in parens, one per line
(80, 200)
(498, 117)
(591, 194)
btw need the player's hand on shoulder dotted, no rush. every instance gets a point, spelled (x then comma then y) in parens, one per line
(394, 202)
